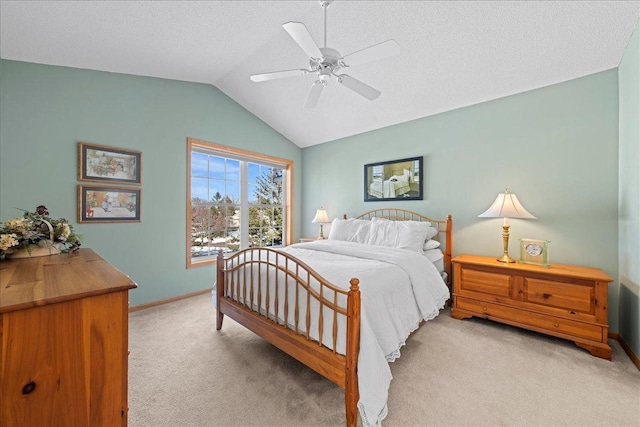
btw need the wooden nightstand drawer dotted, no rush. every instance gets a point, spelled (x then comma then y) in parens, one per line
(552, 293)
(485, 283)
(531, 320)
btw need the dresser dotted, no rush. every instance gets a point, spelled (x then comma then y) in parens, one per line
(565, 301)
(63, 337)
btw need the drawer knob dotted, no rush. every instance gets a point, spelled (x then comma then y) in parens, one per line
(484, 308)
(556, 325)
(28, 388)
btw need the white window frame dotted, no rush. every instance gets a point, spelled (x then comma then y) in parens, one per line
(244, 156)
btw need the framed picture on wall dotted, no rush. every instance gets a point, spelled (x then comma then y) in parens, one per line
(108, 204)
(100, 163)
(393, 180)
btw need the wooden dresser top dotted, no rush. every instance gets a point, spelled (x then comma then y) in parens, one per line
(32, 282)
(578, 272)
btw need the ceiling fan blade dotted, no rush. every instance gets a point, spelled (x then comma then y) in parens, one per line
(358, 87)
(314, 94)
(278, 75)
(298, 31)
(373, 53)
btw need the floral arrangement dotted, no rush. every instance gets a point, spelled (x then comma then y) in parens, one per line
(32, 228)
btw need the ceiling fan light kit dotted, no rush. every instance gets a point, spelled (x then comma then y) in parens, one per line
(326, 62)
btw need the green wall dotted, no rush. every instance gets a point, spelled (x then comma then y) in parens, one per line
(555, 147)
(46, 110)
(629, 202)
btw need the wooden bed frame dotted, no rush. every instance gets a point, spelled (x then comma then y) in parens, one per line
(239, 276)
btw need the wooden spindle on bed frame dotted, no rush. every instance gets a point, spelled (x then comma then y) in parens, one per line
(308, 315)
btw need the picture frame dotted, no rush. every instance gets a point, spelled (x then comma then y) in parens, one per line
(97, 204)
(394, 180)
(535, 251)
(100, 163)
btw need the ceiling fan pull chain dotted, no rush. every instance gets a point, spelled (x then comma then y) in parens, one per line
(325, 6)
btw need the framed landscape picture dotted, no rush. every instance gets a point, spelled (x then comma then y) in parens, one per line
(100, 163)
(108, 204)
(393, 180)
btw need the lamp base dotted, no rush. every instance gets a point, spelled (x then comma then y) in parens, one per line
(321, 236)
(506, 258)
(505, 243)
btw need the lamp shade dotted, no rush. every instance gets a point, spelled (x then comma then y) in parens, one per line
(506, 205)
(321, 216)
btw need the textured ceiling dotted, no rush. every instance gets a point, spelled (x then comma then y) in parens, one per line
(453, 53)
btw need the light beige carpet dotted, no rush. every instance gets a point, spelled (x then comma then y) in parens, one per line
(182, 372)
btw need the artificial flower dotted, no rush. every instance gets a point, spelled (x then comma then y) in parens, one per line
(32, 228)
(8, 240)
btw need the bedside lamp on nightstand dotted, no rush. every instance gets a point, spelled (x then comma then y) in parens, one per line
(321, 218)
(506, 206)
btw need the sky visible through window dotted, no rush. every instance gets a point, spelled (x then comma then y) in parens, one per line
(211, 175)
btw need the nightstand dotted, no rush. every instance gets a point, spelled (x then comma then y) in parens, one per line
(565, 301)
(308, 239)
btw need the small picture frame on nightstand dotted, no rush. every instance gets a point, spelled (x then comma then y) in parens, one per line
(535, 251)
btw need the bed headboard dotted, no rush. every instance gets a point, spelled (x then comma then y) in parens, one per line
(444, 226)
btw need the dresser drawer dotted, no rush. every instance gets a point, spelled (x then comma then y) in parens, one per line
(531, 320)
(484, 283)
(572, 297)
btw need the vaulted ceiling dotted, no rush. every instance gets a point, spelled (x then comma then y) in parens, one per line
(452, 53)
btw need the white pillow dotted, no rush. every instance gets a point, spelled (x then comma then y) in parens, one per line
(431, 244)
(433, 232)
(350, 230)
(398, 234)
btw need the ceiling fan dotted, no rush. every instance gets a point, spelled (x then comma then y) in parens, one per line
(326, 62)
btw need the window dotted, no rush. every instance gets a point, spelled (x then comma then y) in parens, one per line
(236, 199)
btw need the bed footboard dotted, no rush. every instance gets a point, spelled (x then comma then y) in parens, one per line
(287, 303)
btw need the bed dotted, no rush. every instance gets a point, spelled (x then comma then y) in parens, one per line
(397, 185)
(325, 303)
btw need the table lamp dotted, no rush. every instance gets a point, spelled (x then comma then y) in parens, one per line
(506, 206)
(321, 218)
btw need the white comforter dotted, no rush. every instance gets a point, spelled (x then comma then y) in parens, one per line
(399, 289)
